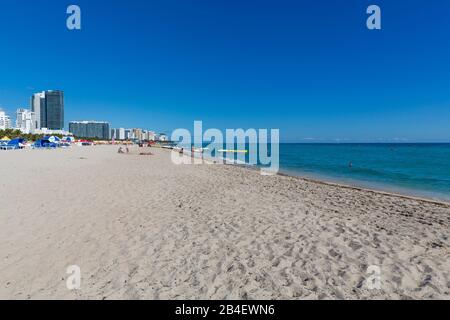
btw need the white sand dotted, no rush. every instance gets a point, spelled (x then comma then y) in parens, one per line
(141, 227)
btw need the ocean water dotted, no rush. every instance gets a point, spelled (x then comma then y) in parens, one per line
(413, 169)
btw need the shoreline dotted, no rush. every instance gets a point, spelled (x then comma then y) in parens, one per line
(387, 193)
(445, 203)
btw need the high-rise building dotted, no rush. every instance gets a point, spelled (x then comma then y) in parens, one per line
(48, 107)
(137, 134)
(148, 135)
(128, 134)
(121, 133)
(25, 121)
(132, 134)
(151, 136)
(118, 134)
(90, 129)
(5, 121)
(55, 109)
(39, 109)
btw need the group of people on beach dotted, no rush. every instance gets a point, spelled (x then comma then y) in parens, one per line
(127, 150)
(122, 151)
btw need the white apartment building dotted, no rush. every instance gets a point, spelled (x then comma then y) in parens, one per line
(151, 136)
(121, 134)
(38, 108)
(25, 121)
(118, 134)
(5, 121)
(128, 133)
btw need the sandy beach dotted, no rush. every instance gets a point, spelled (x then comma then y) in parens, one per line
(140, 227)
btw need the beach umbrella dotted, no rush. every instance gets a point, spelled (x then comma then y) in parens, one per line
(53, 139)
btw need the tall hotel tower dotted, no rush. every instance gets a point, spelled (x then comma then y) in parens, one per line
(48, 107)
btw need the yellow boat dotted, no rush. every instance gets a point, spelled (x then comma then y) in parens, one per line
(234, 151)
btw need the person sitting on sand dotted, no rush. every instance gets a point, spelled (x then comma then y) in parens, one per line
(120, 150)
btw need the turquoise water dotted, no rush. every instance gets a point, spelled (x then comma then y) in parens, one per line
(416, 169)
(412, 169)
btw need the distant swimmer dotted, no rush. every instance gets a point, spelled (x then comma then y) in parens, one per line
(350, 164)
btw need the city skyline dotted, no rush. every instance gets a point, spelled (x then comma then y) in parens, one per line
(45, 116)
(317, 74)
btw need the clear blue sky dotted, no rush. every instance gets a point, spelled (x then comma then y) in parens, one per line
(310, 68)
